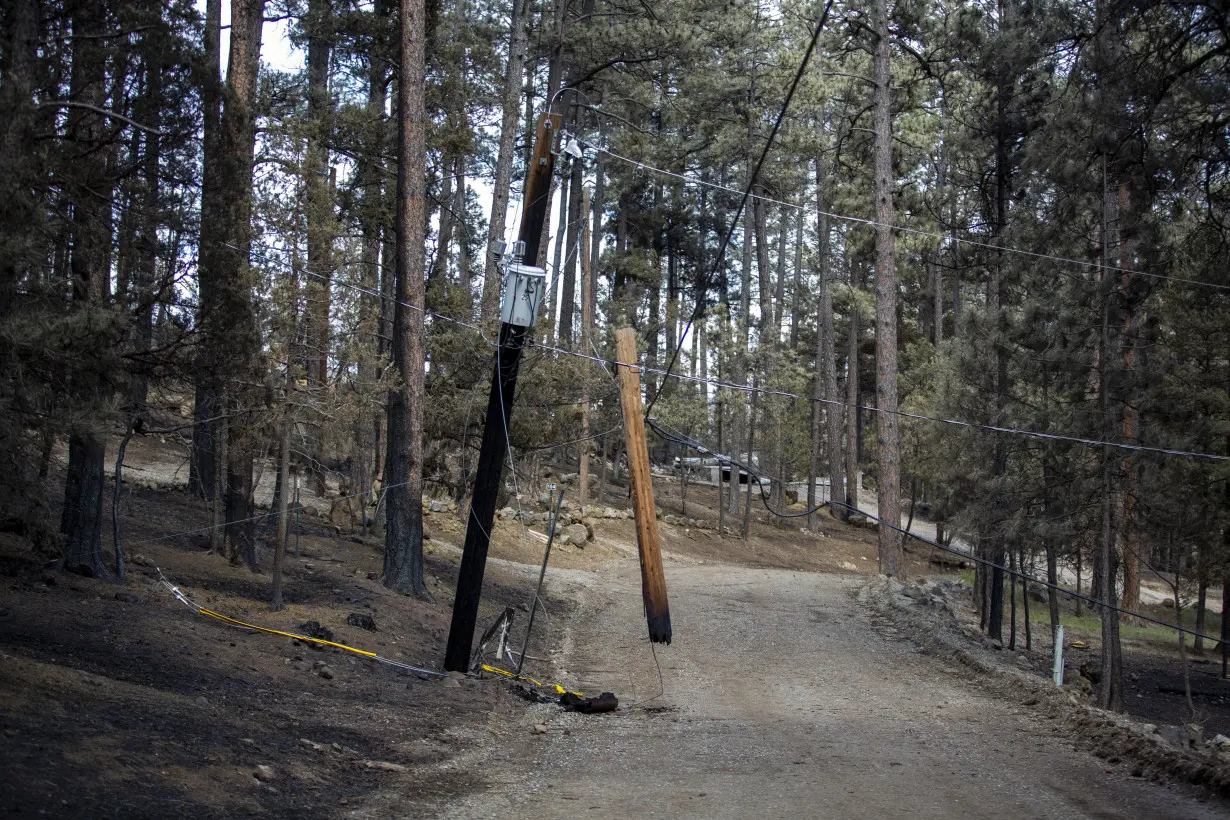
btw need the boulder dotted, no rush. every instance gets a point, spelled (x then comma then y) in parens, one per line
(1176, 736)
(361, 620)
(576, 534)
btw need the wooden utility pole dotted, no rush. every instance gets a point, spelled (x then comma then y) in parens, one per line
(648, 540)
(587, 319)
(499, 412)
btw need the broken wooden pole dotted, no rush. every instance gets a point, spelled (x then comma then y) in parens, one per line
(648, 539)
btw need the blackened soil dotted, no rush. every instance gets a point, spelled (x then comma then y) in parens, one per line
(116, 700)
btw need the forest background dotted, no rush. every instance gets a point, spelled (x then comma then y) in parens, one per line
(984, 260)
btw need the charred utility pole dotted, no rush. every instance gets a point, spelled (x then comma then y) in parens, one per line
(523, 288)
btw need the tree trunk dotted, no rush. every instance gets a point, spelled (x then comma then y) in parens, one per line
(202, 467)
(576, 216)
(557, 261)
(403, 550)
(319, 190)
(796, 291)
(1202, 595)
(997, 537)
(464, 234)
(116, 495)
(1127, 532)
(229, 320)
(751, 441)
(825, 366)
(279, 548)
(240, 529)
(595, 249)
(1079, 601)
(721, 494)
(779, 284)
(828, 367)
(511, 106)
(587, 321)
(19, 42)
(148, 243)
(81, 522)
(764, 274)
(1012, 565)
(218, 481)
(937, 307)
(1052, 509)
(1110, 694)
(852, 414)
(371, 213)
(888, 486)
(1224, 633)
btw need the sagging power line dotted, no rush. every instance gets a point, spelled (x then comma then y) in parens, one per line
(767, 391)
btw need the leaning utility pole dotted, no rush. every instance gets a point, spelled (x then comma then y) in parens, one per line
(523, 287)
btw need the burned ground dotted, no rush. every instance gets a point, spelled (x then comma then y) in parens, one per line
(117, 700)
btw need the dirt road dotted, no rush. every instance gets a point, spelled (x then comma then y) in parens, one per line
(781, 699)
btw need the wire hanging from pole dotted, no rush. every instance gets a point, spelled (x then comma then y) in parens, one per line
(766, 391)
(760, 481)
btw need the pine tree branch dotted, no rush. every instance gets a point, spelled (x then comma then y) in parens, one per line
(103, 111)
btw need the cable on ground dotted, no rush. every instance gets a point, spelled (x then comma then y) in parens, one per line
(209, 613)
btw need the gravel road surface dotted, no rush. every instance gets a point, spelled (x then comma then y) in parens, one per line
(780, 698)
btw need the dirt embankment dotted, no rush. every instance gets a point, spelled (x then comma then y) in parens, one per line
(946, 628)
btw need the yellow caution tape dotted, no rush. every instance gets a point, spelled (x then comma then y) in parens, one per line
(495, 670)
(226, 619)
(559, 690)
(304, 638)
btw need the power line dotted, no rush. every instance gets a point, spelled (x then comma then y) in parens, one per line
(703, 292)
(1068, 260)
(748, 388)
(250, 519)
(687, 442)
